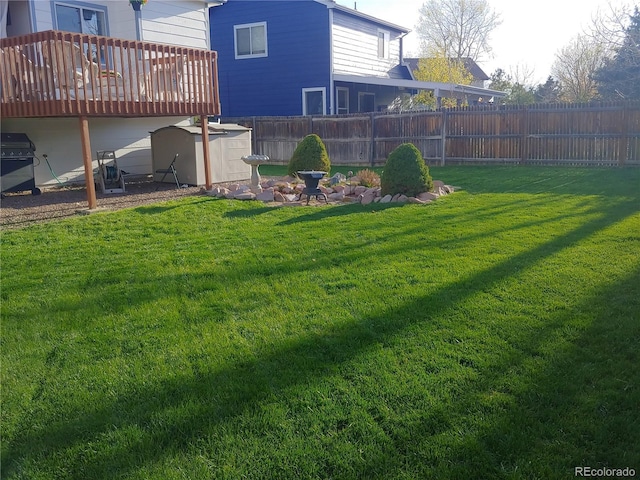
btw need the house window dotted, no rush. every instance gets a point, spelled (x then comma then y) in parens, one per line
(80, 19)
(342, 94)
(251, 40)
(383, 44)
(366, 102)
(313, 101)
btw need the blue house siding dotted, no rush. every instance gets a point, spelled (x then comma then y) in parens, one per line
(298, 46)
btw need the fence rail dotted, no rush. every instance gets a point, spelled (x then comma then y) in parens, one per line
(559, 134)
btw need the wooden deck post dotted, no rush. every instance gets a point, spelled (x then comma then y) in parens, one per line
(204, 123)
(88, 162)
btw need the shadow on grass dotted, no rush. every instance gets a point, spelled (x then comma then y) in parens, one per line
(340, 211)
(224, 396)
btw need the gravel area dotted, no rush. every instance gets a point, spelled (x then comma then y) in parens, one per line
(21, 209)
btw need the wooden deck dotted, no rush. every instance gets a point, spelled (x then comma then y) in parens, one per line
(58, 74)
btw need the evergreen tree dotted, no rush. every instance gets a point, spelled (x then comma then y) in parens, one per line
(619, 78)
(548, 92)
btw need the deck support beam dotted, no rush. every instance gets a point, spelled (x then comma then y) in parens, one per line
(204, 123)
(88, 162)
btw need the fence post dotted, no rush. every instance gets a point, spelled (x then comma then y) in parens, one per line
(524, 145)
(372, 119)
(624, 154)
(443, 138)
(254, 137)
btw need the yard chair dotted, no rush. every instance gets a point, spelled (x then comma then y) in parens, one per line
(72, 70)
(170, 170)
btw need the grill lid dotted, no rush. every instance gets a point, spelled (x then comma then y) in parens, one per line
(16, 140)
(15, 145)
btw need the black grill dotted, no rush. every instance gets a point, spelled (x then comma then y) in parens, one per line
(16, 165)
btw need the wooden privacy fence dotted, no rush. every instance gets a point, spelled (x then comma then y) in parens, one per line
(544, 134)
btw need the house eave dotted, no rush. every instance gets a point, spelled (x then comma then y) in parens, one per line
(355, 13)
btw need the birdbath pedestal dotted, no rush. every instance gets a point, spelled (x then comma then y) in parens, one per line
(255, 161)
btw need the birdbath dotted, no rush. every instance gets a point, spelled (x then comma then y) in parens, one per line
(311, 179)
(255, 161)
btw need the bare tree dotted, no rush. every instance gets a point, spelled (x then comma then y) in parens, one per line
(609, 24)
(459, 28)
(575, 66)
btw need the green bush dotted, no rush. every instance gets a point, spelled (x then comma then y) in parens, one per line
(405, 172)
(310, 154)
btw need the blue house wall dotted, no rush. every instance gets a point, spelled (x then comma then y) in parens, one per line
(298, 45)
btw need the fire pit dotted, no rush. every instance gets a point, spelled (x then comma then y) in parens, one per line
(311, 179)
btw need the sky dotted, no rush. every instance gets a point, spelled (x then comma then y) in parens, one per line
(528, 38)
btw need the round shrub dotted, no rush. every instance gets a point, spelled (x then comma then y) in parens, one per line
(310, 154)
(405, 172)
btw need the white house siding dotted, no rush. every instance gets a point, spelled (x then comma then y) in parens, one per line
(355, 47)
(184, 23)
(59, 139)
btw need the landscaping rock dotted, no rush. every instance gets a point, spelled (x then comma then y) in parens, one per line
(386, 199)
(266, 195)
(337, 178)
(402, 199)
(278, 197)
(427, 196)
(366, 200)
(359, 190)
(417, 200)
(245, 196)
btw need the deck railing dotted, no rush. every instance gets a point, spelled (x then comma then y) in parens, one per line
(55, 73)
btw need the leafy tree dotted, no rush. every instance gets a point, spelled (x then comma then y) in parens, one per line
(444, 70)
(619, 77)
(575, 66)
(500, 80)
(456, 28)
(518, 93)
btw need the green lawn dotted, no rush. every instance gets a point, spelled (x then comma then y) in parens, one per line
(493, 334)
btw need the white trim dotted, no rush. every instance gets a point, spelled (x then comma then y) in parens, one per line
(82, 6)
(332, 99)
(386, 43)
(250, 26)
(323, 90)
(338, 90)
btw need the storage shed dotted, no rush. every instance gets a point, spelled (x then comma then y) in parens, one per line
(228, 143)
